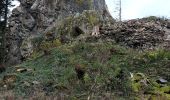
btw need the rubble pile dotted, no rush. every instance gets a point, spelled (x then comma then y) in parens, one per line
(139, 33)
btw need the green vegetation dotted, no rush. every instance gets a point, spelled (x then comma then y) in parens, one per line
(106, 65)
(69, 62)
(79, 2)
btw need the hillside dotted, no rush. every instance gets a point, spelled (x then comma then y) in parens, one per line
(74, 50)
(95, 68)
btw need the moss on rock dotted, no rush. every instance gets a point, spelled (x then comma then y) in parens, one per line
(84, 22)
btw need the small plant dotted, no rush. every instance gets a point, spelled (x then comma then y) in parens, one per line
(47, 45)
(79, 2)
(152, 18)
(157, 55)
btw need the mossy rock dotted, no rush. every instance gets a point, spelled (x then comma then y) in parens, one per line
(46, 45)
(26, 47)
(79, 2)
(77, 24)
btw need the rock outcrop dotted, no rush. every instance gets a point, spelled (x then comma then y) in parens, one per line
(33, 18)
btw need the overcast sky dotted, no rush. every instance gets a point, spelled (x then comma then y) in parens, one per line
(132, 9)
(141, 8)
(16, 3)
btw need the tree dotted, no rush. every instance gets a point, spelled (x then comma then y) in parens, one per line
(4, 5)
(118, 9)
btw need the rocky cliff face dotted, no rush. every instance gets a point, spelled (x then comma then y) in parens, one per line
(35, 17)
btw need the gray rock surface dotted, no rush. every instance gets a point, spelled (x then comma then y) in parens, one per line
(35, 17)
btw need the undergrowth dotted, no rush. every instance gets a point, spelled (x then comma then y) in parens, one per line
(109, 71)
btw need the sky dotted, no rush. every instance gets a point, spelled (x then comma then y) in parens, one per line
(16, 3)
(132, 9)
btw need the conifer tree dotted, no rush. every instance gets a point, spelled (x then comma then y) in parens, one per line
(4, 5)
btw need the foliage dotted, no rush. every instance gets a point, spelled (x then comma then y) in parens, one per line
(79, 1)
(107, 69)
(45, 45)
(4, 4)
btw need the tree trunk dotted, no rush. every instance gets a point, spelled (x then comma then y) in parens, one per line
(4, 16)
